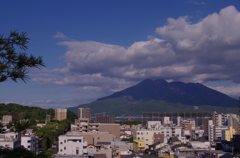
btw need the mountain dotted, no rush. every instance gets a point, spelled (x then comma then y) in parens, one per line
(194, 94)
(162, 96)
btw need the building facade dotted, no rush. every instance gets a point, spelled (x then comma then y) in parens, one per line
(84, 113)
(6, 118)
(72, 144)
(60, 114)
(104, 119)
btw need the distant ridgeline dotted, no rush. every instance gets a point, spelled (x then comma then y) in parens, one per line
(19, 112)
(161, 96)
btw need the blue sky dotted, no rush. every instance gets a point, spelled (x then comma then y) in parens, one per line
(94, 48)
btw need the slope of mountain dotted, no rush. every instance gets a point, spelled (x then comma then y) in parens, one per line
(194, 94)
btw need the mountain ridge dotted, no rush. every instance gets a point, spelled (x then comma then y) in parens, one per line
(194, 94)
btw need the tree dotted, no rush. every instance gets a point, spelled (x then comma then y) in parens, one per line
(14, 65)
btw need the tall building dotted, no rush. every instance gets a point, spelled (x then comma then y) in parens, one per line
(104, 119)
(6, 118)
(84, 113)
(234, 121)
(60, 114)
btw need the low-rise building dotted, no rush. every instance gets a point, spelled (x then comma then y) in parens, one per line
(228, 133)
(138, 146)
(10, 140)
(72, 144)
(83, 125)
(31, 143)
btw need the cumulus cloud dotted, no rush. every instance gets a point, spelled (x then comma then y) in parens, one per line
(233, 91)
(207, 50)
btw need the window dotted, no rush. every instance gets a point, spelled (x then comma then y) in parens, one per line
(61, 150)
(77, 150)
(60, 142)
(64, 141)
(64, 148)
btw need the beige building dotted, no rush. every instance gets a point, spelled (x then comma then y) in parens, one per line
(94, 138)
(104, 119)
(84, 113)
(146, 136)
(60, 114)
(6, 118)
(228, 134)
(83, 125)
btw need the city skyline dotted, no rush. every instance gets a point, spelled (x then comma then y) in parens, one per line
(92, 49)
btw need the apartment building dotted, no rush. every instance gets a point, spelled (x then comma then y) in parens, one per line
(146, 136)
(185, 122)
(83, 125)
(153, 125)
(6, 119)
(104, 119)
(31, 143)
(210, 131)
(72, 144)
(84, 113)
(221, 119)
(10, 140)
(228, 134)
(217, 132)
(234, 121)
(60, 114)
(95, 138)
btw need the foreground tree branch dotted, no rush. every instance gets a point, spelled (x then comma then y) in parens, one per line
(15, 65)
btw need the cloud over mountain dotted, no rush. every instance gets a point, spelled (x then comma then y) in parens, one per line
(207, 50)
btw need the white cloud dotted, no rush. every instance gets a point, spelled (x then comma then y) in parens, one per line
(89, 89)
(207, 50)
(233, 91)
(60, 35)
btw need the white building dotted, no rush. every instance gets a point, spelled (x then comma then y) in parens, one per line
(30, 142)
(176, 131)
(218, 132)
(166, 120)
(199, 144)
(185, 122)
(210, 131)
(198, 133)
(10, 140)
(72, 144)
(154, 125)
(221, 119)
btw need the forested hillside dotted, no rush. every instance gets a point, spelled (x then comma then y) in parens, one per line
(25, 112)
